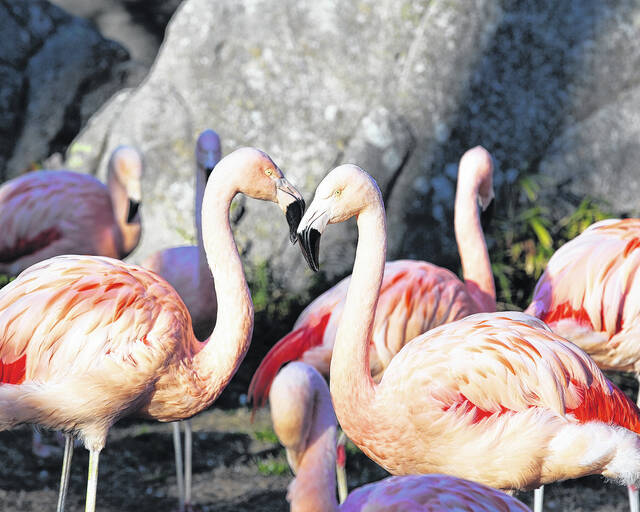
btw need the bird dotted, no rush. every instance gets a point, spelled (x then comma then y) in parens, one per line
(186, 269)
(114, 339)
(52, 212)
(496, 398)
(589, 294)
(306, 426)
(415, 296)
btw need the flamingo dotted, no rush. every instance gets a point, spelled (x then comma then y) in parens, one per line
(495, 397)
(48, 213)
(306, 426)
(113, 339)
(186, 269)
(415, 295)
(590, 294)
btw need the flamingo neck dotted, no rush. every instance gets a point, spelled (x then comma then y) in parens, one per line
(476, 267)
(203, 272)
(314, 487)
(352, 387)
(126, 235)
(225, 349)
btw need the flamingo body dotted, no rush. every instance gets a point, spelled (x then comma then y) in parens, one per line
(492, 389)
(590, 293)
(125, 321)
(430, 493)
(49, 213)
(306, 425)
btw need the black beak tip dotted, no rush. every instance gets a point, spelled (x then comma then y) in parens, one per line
(133, 210)
(310, 246)
(208, 171)
(294, 216)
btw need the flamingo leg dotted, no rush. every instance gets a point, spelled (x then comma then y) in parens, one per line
(177, 446)
(341, 473)
(66, 471)
(92, 481)
(538, 499)
(634, 503)
(188, 445)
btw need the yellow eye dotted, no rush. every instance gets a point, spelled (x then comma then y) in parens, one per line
(338, 192)
(268, 172)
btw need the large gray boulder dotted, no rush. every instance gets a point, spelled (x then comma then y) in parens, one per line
(313, 84)
(55, 72)
(401, 88)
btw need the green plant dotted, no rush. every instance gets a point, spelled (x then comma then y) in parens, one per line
(266, 435)
(528, 233)
(5, 279)
(273, 466)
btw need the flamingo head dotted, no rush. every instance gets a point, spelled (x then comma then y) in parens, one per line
(476, 170)
(207, 152)
(260, 178)
(342, 194)
(126, 166)
(293, 400)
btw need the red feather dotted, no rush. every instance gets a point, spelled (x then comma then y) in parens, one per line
(13, 373)
(289, 348)
(26, 246)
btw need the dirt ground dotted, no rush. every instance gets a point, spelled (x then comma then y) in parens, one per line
(238, 466)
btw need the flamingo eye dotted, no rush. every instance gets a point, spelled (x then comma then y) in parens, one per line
(268, 172)
(338, 192)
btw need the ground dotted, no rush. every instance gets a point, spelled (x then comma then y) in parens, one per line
(238, 466)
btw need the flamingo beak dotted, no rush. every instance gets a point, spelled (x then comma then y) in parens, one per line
(292, 205)
(133, 210)
(309, 232)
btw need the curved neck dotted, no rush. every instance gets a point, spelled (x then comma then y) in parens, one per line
(314, 487)
(126, 235)
(476, 267)
(218, 361)
(352, 387)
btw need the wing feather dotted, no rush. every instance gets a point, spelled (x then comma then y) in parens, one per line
(489, 364)
(111, 309)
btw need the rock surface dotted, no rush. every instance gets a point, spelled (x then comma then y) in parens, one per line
(401, 88)
(55, 72)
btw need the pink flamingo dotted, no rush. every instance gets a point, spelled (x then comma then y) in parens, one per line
(495, 397)
(415, 296)
(48, 213)
(114, 339)
(304, 421)
(590, 294)
(186, 269)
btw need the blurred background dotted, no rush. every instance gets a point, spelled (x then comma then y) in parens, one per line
(402, 88)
